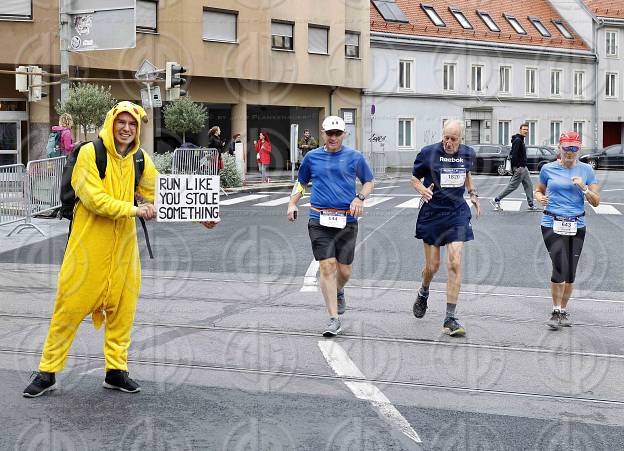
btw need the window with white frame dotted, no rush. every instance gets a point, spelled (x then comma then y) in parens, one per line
(537, 23)
(352, 44)
(282, 35)
(562, 29)
(579, 84)
(555, 82)
(461, 18)
(318, 39)
(503, 132)
(487, 19)
(405, 74)
(531, 81)
(219, 25)
(405, 132)
(476, 81)
(579, 127)
(433, 15)
(504, 84)
(146, 15)
(555, 132)
(531, 138)
(612, 43)
(611, 85)
(449, 77)
(515, 24)
(16, 9)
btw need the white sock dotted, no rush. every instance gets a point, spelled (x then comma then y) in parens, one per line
(562, 310)
(557, 307)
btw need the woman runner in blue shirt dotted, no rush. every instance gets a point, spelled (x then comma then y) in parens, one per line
(563, 187)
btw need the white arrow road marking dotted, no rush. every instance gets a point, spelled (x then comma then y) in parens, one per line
(344, 367)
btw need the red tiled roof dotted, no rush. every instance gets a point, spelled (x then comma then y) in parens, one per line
(420, 24)
(607, 8)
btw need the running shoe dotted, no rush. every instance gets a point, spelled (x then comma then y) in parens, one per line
(564, 319)
(333, 328)
(119, 380)
(41, 382)
(533, 207)
(496, 204)
(555, 320)
(453, 328)
(342, 304)
(420, 304)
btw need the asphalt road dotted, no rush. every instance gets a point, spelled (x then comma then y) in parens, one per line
(228, 352)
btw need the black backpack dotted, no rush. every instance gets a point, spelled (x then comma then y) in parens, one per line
(68, 196)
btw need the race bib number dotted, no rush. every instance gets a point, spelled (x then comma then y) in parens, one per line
(565, 226)
(452, 177)
(335, 219)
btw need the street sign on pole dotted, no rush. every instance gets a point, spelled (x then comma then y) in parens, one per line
(151, 98)
(147, 71)
(91, 25)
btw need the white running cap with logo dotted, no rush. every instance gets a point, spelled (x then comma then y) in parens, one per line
(334, 123)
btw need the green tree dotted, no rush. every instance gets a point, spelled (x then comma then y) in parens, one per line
(183, 116)
(88, 105)
(230, 177)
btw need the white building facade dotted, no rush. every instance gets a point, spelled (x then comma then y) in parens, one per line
(419, 81)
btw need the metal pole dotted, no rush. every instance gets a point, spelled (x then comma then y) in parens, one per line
(65, 37)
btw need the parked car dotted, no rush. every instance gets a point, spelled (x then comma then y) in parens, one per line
(538, 156)
(611, 157)
(491, 158)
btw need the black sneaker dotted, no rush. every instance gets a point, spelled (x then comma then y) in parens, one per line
(533, 207)
(342, 304)
(420, 304)
(555, 320)
(564, 319)
(42, 382)
(453, 328)
(119, 380)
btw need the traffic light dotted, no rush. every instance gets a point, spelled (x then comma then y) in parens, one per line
(21, 80)
(173, 81)
(35, 91)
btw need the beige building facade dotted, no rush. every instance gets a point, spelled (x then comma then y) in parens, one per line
(256, 65)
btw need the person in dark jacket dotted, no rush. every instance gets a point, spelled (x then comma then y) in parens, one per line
(215, 142)
(519, 170)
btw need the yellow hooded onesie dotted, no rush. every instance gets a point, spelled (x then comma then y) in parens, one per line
(101, 270)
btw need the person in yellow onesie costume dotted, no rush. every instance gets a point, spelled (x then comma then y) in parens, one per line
(101, 270)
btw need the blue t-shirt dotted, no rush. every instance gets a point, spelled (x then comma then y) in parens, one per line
(431, 162)
(565, 198)
(333, 178)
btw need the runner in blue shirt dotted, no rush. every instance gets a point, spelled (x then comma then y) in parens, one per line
(441, 175)
(335, 207)
(563, 187)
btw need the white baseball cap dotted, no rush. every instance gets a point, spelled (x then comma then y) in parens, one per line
(334, 123)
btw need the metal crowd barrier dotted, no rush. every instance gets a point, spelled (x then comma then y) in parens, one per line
(199, 160)
(377, 161)
(42, 191)
(12, 201)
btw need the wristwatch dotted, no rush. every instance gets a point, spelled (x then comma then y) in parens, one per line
(361, 196)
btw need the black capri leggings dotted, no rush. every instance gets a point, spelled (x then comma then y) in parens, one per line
(564, 252)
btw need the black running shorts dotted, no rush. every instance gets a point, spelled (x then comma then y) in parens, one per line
(329, 242)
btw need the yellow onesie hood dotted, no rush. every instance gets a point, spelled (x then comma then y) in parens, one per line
(107, 133)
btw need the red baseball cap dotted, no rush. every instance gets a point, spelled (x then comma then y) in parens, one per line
(570, 139)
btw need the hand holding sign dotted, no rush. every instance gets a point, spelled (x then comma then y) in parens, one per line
(146, 211)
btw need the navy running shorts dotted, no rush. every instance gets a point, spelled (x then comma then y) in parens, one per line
(329, 242)
(440, 227)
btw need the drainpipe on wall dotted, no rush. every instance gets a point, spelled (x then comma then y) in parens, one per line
(600, 24)
(331, 95)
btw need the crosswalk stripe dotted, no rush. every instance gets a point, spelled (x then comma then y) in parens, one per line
(371, 201)
(412, 203)
(238, 200)
(511, 205)
(274, 202)
(605, 210)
